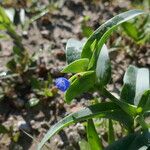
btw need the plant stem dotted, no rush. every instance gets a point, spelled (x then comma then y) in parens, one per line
(17, 39)
(128, 108)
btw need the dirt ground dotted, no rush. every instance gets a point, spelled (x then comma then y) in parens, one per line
(47, 37)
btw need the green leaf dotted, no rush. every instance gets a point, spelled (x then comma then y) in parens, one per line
(33, 102)
(76, 66)
(42, 12)
(92, 136)
(145, 101)
(11, 65)
(35, 83)
(84, 145)
(1, 19)
(73, 49)
(129, 87)
(86, 30)
(17, 51)
(10, 12)
(103, 67)
(82, 83)
(2, 26)
(131, 30)
(131, 142)
(106, 110)
(111, 135)
(136, 81)
(102, 34)
(3, 36)
(3, 129)
(48, 92)
(142, 83)
(4, 18)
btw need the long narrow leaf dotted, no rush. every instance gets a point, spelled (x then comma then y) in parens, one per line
(92, 136)
(133, 141)
(103, 32)
(107, 110)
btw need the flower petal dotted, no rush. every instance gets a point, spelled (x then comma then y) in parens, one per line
(62, 84)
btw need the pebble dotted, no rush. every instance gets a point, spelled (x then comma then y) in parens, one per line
(24, 126)
(73, 137)
(95, 94)
(60, 144)
(32, 122)
(45, 125)
(80, 128)
(19, 103)
(56, 141)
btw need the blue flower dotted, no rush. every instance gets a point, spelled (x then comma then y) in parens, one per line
(62, 84)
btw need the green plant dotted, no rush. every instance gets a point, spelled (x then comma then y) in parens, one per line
(22, 68)
(21, 59)
(139, 29)
(86, 29)
(89, 62)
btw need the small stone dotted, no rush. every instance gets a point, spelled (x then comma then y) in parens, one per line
(45, 33)
(24, 33)
(56, 141)
(80, 128)
(73, 137)
(23, 125)
(16, 146)
(60, 144)
(95, 94)
(32, 122)
(44, 125)
(19, 103)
